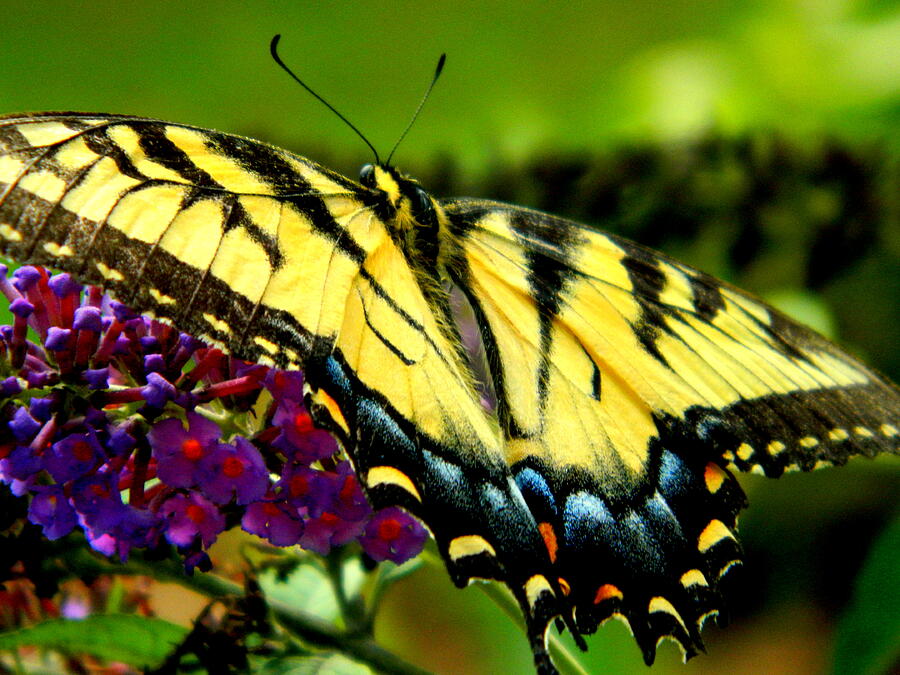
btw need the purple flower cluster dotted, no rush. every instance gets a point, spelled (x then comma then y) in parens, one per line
(115, 423)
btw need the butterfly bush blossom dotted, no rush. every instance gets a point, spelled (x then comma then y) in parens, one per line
(141, 435)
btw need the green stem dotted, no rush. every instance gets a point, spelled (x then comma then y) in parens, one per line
(308, 627)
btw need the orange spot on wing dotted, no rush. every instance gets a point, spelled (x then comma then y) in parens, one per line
(607, 592)
(550, 542)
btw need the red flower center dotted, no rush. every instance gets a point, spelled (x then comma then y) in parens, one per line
(299, 485)
(82, 451)
(329, 519)
(348, 489)
(232, 467)
(389, 529)
(281, 380)
(192, 449)
(196, 513)
(303, 423)
(271, 510)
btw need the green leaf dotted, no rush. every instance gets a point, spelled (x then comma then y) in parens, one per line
(310, 588)
(135, 640)
(384, 576)
(307, 587)
(326, 664)
(868, 636)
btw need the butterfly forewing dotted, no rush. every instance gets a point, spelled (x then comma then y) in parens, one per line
(628, 384)
(224, 236)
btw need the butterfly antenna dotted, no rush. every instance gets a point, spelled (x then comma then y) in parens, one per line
(437, 74)
(273, 49)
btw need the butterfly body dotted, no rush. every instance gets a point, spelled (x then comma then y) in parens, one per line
(628, 386)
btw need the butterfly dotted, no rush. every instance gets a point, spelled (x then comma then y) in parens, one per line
(629, 387)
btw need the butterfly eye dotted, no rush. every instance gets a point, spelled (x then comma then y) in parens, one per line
(422, 207)
(367, 175)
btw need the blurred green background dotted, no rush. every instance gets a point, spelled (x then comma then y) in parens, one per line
(756, 140)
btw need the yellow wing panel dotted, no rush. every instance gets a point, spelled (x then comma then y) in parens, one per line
(178, 221)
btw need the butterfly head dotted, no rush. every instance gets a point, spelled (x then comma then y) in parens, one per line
(403, 193)
(403, 201)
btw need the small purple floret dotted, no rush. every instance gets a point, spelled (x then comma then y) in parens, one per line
(178, 451)
(350, 503)
(307, 488)
(154, 363)
(96, 497)
(190, 516)
(393, 534)
(58, 339)
(158, 390)
(329, 530)
(73, 457)
(234, 472)
(96, 378)
(41, 408)
(23, 426)
(10, 387)
(21, 464)
(149, 344)
(21, 308)
(120, 440)
(63, 285)
(299, 439)
(51, 510)
(25, 277)
(121, 312)
(273, 520)
(88, 318)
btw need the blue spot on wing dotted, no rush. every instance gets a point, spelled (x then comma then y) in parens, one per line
(674, 474)
(583, 516)
(535, 489)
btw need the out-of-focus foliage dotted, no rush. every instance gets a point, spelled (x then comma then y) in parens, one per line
(520, 76)
(758, 141)
(142, 641)
(868, 637)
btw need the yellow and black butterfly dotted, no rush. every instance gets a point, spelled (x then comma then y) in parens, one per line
(628, 386)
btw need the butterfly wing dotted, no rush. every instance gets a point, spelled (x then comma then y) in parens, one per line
(274, 258)
(225, 237)
(627, 386)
